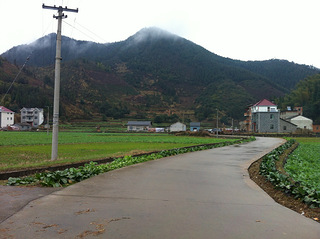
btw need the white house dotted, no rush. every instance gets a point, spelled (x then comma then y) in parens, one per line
(139, 125)
(32, 116)
(6, 117)
(302, 122)
(177, 127)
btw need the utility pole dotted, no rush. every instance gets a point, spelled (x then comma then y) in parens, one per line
(217, 123)
(55, 124)
(232, 125)
(48, 121)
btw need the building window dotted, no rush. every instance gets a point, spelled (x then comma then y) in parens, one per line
(271, 126)
(271, 116)
(284, 127)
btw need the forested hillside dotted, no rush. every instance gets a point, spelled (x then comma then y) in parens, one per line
(307, 95)
(152, 73)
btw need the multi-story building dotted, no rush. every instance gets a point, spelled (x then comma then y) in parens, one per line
(6, 117)
(32, 116)
(265, 117)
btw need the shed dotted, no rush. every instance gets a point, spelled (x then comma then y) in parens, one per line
(287, 127)
(178, 127)
(24, 126)
(194, 126)
(302, 122)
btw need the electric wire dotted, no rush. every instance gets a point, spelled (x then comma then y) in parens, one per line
(82, 32)
(16, 78)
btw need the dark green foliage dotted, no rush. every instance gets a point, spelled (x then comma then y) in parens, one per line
(115, 111)
(166, 118)
(225, 95)
(307, 95)
(281, 72)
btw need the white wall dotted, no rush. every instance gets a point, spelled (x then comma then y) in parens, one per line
(7, 118)
(302, 122)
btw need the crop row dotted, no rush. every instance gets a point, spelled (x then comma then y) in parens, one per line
(269, 170)
(73, 175)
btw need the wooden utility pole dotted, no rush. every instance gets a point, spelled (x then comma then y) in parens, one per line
(55, 124)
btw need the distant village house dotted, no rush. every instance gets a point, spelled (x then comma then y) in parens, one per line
(265, 117)
(178, 127)
(6, 117)
(32, 116)
(142, 126)
(194, 126)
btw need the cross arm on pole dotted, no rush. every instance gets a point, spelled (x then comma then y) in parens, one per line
(59, 8)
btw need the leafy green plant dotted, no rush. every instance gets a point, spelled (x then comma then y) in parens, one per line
(307, 193)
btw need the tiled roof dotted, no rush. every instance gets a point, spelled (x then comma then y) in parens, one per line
(264, 102)
(4, 109)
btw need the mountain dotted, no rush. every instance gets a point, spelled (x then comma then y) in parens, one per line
(152, 73)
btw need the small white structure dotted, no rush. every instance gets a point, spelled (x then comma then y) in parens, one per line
(6, 117)
(139, 126)
(177, 127)
(302, 122)
(32, 116)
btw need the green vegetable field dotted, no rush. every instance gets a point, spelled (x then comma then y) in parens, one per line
(33, 149)
(303, 165)
(302, 170)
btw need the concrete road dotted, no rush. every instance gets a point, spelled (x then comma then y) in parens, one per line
(205, 194)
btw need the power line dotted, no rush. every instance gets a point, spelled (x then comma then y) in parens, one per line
(16, 77)
(94, 39)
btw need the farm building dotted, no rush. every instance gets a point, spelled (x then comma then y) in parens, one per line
(265, 117)
(139, 126)
(6, 117)
(32, 116)
(178, 127)
(24, 126)
(194, 126)
(287, 126)
(302, 122)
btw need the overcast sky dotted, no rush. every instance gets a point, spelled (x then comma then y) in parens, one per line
(238, 29)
